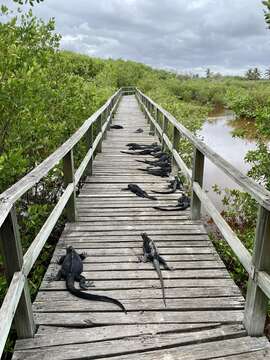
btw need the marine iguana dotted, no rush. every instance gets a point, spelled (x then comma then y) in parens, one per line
(174, 185)
(182, 204)
(139, 131)
(161, 171)
(116, 126)
(138, 191)
(150, 253)
(159, 154)
(162, 159)
(141, 146)
(150, 151)
(71, 269)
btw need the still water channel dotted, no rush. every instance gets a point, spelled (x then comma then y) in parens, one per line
(217, 133)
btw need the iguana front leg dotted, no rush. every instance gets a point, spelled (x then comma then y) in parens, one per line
(61, 259)
(83, 255)
(143, 258)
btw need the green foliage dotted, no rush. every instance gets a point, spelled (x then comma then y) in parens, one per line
(31, 2)
(266, 3)
(253, 74)
(240, 211)
(46, 94)
(260, 164)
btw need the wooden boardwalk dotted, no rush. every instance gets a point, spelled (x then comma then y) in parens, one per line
(204, 314)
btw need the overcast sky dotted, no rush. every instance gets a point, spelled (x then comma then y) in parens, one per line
(228, 36)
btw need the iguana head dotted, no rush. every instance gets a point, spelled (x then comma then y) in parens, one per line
(70, 249)
(145, 236)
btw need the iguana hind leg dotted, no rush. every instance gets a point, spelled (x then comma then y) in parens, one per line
(83, 283)
(59, 275)
(163, 262)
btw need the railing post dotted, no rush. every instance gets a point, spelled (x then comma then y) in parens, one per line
(69, 179)
(197, 176)
(111, 115)
(256, 301)
(89, 143)
(11, 249)
(164, 131)
(105, 117)
(176, 139)
(99, 127)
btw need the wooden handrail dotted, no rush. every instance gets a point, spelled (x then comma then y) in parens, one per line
(17, 303)
(257, 265)
(12, 194)
(250, 186)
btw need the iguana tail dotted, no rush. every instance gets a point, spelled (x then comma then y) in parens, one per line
(151, 197)
(176, 208)
(142, 161)
(157, 267)
(164, 192)
(82, 295)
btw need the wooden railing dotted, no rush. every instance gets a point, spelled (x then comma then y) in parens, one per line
(258, 264)
(17, 304)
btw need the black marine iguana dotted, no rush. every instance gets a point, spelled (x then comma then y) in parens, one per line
(182, 204)
(159, 154)
(139, 131)
(71, 269)
(150, 151)
(116, 126)
(162, 160)
(135, 146)
(174, 185)
(163, 171)
(150, 253)
(138, 191)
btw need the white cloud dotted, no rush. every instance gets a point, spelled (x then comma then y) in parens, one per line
(186, 35)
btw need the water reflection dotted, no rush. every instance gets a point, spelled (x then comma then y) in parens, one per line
(217, 132)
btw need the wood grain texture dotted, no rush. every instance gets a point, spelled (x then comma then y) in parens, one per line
(205, 309)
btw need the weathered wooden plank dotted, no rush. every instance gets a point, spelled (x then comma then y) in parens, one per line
(151, 274)
(138, 252)
(130, 345)
(129, 244)
(91, 234)
(123, 179)
(147, 317)
(149, 293)
(79, 305)
(122, 284)
(185, 225)
(208, 350)
(134, 222)
(134, 258)
(148, 266)
(180, 239)
(102, 333)
(130, 211)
